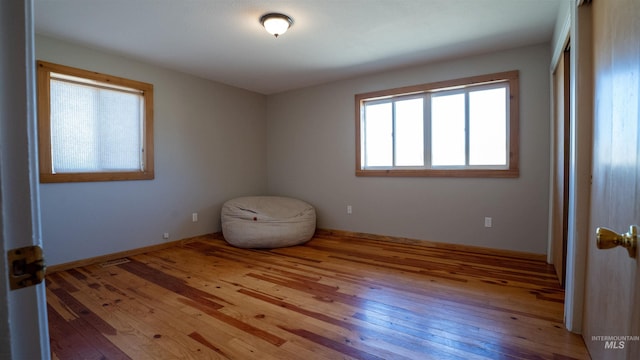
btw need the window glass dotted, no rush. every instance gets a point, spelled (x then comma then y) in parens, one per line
(94, 129)
(409, 133)
(379, 135)
(488, 127)
(448, 130)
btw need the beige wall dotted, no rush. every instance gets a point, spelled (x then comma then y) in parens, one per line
(311, 155)
(210, 145)
(214, 142)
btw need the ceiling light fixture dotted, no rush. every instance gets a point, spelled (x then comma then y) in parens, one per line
(276, 24)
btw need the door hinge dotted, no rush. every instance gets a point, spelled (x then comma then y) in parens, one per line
(26, 267)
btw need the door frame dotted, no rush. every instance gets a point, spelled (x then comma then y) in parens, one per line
(23, 318)
(559, 171)
(577, 27)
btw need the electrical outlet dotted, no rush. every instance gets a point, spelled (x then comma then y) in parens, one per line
(349, 210)
(194, 217)
(165, 236)
(488, 222)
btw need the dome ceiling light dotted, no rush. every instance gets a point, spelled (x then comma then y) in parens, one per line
(276, 24)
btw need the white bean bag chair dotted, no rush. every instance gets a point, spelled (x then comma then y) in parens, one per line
(267, 222)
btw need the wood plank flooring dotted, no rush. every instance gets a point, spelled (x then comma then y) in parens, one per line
(337, 297)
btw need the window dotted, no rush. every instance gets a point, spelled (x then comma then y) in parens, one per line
(459, 128)
(92, 126)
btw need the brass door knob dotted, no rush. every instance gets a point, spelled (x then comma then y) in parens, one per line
(607, 239)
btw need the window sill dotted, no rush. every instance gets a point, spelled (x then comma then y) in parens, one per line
(93, 177)
(467, 173)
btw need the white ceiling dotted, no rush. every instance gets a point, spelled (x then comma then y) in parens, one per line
(222, 40)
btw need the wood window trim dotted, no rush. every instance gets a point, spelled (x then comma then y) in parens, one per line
(512, 77)
(43, 72)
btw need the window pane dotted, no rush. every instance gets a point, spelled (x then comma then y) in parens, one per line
(378, 135)
(120, 143)
(447, 130)
(488, 127)
(409, 133)
(93, 129)
(72, 127)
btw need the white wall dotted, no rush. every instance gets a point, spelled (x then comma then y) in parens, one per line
(210, 145)
(311, 155)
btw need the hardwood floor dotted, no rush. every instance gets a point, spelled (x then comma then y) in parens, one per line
(337, 297)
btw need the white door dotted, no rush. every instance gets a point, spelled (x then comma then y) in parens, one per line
(23, 319)
(612, 298)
